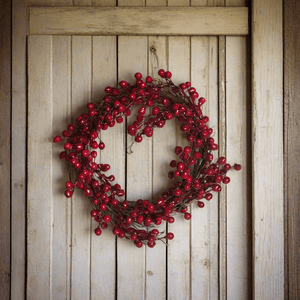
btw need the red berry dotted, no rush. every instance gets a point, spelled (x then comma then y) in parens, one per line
(208, 196)
(227, 167)
(183, 86)
(133, 237)
(201, 101)
(68, 146)
(94, 145)
(138, 75)
(69, 185)
(155, 110)
(108, 89)
(187, 150)
(116, 231)
(149, 79)
(168, 74)
(139, 244)
(222, 160)
(187, 216)
(123, 84)
(57, 139)
(170, 236)
(200, 204)
(94, 213)
(161, 73)
(171, 220)
(68, 193)
(138, 139)
(98, 231)
(237, 167)
(226, 180)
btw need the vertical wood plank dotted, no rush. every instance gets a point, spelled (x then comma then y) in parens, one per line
(39, 167)
(61, 250)
(267, 147)
(238, 145)
(5, 145)
(205, 236)
(163, 142)
(238, 214)
(292, 145)
(132, 58)
(18, 153)
(204, 222)
(222, 152)
(179, 248)
(81, 95)
(103, 259)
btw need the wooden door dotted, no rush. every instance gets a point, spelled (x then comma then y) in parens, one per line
(210, 256)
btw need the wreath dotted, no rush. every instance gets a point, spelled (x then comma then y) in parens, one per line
(194, 174)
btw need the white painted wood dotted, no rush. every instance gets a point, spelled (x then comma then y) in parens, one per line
(132, 58)
(139, 20)
(238, 214)
(222, 152)
(103, 252)
(204, 222)
(61, 101)
(39, 198)
(163, 141)
(81, 219)
(267, 149)
(179, 248)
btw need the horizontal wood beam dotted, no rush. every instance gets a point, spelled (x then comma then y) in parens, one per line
(139, 21)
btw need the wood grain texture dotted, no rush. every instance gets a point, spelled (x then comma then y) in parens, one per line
(81, 220)
(18, 153)
(61, 237)
(19, 144)
(204, 222)
(179, 286)
(162, 140)
(103, 251)
(267, 149)
(292, 146)
(238, 142)
(139, 21)
(132, 58)
(39, 166)
(5, 146)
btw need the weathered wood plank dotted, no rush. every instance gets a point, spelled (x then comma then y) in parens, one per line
(132, 58)
(139, 21)
(163, 142)
(267, 149)
(61, 95)
(5, 146)
(103, 251)
(81, 219)
(292, 146)
(39, 201)
(237, 138)
(204, 222)
(179, 248)
(18, 153)
(222, 152)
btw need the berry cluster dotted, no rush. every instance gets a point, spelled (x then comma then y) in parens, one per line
(194, 174)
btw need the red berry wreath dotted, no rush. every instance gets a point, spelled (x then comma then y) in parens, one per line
(195, 176)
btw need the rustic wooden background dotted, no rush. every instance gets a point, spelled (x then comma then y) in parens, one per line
(13, 145)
